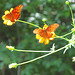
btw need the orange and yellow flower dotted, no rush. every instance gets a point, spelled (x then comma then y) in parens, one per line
(45, 40)
(6, 21)
(45, 35)
(10, 17)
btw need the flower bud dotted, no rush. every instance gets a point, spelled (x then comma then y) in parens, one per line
(13, 65)
(43, 19)
(67, 2)
(73, 29)
(10, 47)
(73, 59)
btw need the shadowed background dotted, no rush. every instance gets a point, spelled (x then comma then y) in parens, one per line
(21, 36)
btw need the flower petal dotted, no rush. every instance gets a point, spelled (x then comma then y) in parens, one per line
(45, 27)
(46, 41)
(6, 12)
(5, 21)
(53, 35)
(9, 23)
(38, 36)
(11, 9)
(41, 40)
(3, 17)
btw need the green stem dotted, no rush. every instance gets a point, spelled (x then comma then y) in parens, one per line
(67, 34)
(29, 23)
(32, 51)
(43, 55)
(62, 38)
(71, 14)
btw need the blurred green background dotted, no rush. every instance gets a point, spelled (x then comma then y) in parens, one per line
(21, 36)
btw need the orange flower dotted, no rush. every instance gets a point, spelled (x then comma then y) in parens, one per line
(46, 34)
(12, 16)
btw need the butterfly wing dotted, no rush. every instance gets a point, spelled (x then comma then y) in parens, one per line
(9, 17)
(16, 12)
(41, 32)
(48, 34)
(52, 27)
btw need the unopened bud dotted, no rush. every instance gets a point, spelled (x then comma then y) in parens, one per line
(67, 2)
(73, 59)
(13, 65)
(10, 47)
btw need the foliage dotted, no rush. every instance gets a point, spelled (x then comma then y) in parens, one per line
(20, 35)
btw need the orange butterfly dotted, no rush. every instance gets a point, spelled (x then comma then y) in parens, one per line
(14, 14)
(46, 32)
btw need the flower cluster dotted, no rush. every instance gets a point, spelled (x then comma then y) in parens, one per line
(44, 35)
